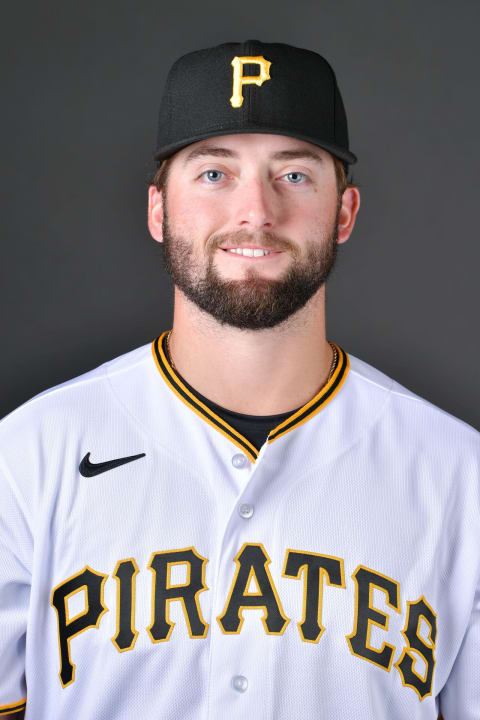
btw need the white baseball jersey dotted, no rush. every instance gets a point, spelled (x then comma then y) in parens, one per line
(155, 564)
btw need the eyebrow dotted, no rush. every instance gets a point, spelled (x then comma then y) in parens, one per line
(294, 154)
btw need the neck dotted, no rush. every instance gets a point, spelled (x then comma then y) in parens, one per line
(261, 372)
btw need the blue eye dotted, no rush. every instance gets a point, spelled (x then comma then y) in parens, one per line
(212, 172)
(297, 174)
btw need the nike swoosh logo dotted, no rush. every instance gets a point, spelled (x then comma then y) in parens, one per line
(89, 469)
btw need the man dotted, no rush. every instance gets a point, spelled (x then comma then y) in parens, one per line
(241, 519)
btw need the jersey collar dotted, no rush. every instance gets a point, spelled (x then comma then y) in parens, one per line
(311, 408)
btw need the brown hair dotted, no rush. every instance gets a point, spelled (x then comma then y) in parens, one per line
(160, 177)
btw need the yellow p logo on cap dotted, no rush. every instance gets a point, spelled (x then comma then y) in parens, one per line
(239, 79)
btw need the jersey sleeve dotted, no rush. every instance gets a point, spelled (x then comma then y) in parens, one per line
(16, 549)
(460, 697)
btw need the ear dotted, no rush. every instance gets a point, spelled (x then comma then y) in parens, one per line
(155, 213)
(348, 213)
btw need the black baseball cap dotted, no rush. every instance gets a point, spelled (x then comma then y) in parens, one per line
(252, 87)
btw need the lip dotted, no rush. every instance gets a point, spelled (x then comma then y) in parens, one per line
(247, 247)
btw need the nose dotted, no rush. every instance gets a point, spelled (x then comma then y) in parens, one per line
(255, 205)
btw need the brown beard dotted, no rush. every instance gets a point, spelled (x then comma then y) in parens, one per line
(254, 302)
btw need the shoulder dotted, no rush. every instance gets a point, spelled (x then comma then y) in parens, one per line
(406, 414)
(79, 396)
(45, 437)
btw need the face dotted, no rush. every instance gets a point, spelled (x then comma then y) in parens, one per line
(230, 200)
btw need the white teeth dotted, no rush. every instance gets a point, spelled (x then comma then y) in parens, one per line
(249, 252)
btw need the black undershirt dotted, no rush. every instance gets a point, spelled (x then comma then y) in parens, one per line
(253, 427)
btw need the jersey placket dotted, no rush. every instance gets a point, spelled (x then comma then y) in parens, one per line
(235, 686)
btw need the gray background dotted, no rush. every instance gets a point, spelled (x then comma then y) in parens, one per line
(81, 279)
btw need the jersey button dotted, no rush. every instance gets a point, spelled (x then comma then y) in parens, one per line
(239, 461)
(245, 511)
(240, 683)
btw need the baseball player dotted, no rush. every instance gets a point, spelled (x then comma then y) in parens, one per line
(241, 519)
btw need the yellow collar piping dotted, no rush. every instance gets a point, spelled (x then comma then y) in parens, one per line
(326, 393)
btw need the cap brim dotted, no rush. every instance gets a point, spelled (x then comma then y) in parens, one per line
(345, 155)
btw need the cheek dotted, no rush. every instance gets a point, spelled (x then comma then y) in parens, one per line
(317, 207)
(310, 218)
(326, 209)
(198, 216)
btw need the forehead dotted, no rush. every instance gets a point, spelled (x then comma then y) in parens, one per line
(259, 145)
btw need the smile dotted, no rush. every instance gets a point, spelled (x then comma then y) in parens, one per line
(251, 253)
